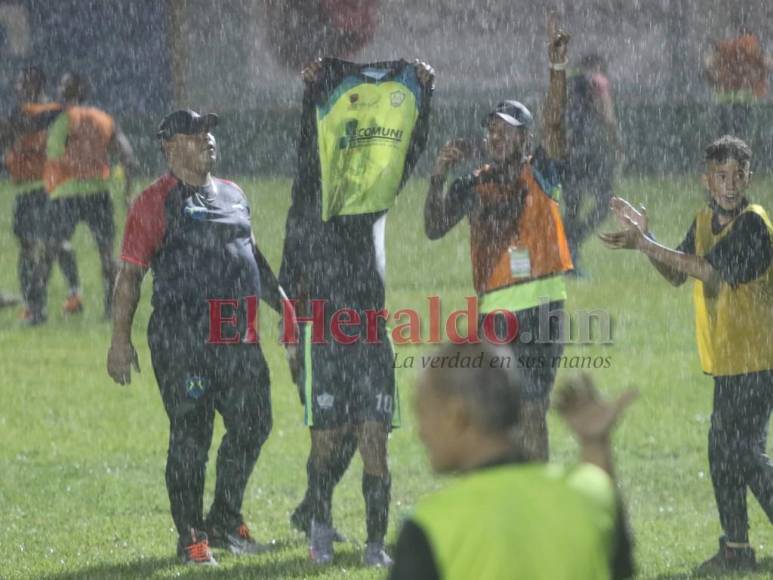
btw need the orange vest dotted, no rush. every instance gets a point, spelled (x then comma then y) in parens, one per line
(85, 155)
(26, 158)
(741, 65)
(495, 236)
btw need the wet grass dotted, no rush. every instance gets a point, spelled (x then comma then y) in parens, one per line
(82, 459)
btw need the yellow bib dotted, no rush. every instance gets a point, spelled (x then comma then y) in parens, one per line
(733, 328)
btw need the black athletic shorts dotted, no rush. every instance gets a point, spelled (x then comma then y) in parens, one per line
(96, 209)
(348, 384)
(30, 215)
(192, 374)
(538, 358)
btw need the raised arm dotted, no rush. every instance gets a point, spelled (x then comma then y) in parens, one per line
(672, 262)
(624, 212)
(553, 122)
(443, 209)
(591, 418)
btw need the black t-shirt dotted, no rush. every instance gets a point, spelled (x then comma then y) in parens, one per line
(743, 255)
(341, 260)
(198, 242)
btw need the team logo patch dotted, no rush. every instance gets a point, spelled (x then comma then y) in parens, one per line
(325, 400)
(195, 212)
(396, 98)
(195, 386)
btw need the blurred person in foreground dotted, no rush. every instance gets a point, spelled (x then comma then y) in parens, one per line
(504, 516)
(594, 150)
(23, 138)
(81, 141)
(727, 252)
(518, 248)
(193, 231)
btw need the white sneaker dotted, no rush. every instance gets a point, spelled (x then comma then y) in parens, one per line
(321, 543)
(376, 556)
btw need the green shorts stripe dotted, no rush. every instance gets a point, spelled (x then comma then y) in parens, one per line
(308, 418)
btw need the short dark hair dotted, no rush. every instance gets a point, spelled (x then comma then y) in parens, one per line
(491, 385)
(728, 147)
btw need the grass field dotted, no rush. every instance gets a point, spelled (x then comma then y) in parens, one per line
(82, 459)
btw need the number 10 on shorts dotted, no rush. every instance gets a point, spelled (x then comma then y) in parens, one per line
(384, 403)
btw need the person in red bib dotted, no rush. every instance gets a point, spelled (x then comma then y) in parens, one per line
(517, 243)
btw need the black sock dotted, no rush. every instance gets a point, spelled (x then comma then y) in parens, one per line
(336, 470)
(69, 266)
(320, 493)
(376, 491)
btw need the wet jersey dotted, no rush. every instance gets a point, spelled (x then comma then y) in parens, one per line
(197, 240)
(327, 255)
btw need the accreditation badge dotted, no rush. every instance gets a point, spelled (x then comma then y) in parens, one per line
(520, 263)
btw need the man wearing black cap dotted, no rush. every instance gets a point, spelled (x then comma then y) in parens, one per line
(518, 247)
(193, 230)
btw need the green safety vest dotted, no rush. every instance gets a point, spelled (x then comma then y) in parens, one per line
(364, 130)
(530, 521)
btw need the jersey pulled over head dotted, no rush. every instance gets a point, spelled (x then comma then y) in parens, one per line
(365, 119)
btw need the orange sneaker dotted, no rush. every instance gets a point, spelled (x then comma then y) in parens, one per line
(195, 550)
(73, 304)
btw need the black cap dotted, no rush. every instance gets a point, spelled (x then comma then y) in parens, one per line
(513, 113)
(186, 122)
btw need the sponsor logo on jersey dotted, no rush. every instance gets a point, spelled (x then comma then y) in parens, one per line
(356, 136)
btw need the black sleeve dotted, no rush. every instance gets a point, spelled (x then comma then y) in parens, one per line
(744, 254)
(413, 556)
(688, 243)
(621, 563)
(420, 134)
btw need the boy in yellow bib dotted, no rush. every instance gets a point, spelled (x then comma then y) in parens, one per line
(728, 253)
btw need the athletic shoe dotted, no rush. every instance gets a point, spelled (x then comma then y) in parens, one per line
(238, 541)
(300, 519)
(29, 318)
(321, 543)
(375, 555)
(73, 304)
(195, 550)
(728, 559)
